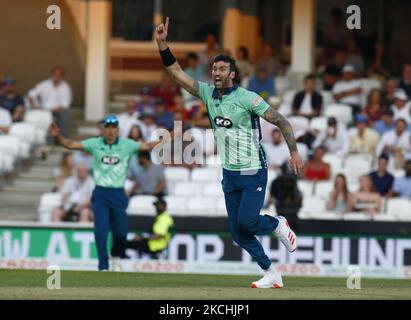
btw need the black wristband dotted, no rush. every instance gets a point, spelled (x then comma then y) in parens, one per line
(167, 57)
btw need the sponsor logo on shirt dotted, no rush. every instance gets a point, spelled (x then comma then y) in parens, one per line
(110, 160)
(257, 101)
(223, 122)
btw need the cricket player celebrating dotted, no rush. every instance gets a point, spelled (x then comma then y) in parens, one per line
(111, 157)
(234, 116)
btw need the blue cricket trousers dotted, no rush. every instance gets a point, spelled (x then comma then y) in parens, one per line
(109, 208)
(244, 197)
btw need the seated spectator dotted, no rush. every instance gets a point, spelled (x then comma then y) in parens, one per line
(151, 179)
(159, 237)
(381, 178)
(277, 151)
(128, 119)
(377, 69)
(375, 107)
(366, 140)
(386, 123)
(354, 58)
(269, 61)
(262, 83)
(333, 72)
(348, 89)
(286, 196)
(76, 192)
(316, 169)
(80, 157)
(64, 170)
(402, 186)
(53, 94)
(390, 87)
(395, 143)
(179, 106)
(134, 168)
(5, 121)
(401, 106)
(163, 118)
(148, 125)
(366, 200)
(146, 101)
(339, 198)
(245, 68)
(335, 139)
(11, 100)
(211, 50)
(405, 83)
(195, 69)
(166, 90)
(308, 103)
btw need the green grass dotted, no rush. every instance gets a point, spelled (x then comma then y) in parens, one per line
(30, 284)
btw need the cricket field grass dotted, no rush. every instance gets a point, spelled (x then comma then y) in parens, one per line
(32, 284)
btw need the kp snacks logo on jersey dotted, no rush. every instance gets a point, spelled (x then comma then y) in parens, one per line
(223, 122)
(110, 160)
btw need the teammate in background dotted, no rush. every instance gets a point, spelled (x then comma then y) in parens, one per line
(111, 158)
(234, 115)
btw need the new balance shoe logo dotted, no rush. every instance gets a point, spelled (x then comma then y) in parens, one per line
(259, 189)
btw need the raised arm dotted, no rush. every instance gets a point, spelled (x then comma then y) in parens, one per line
(66, 143)
(171, 64)
(274, 117)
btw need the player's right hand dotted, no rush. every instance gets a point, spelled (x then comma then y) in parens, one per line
(54, 129)
(161, 31)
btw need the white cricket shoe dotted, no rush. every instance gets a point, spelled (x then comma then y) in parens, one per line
(271, 279)
(284, 233)
(115, 264)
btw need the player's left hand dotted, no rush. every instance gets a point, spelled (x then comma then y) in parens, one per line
(296, 164)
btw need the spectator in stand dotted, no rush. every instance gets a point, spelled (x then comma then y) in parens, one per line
(262, 83)
(211, 50)
(308, 103)
(269, 61)
(194, 68)
(245, 68)
(375, 107)
(367, 199)
(390, 88)
(53, 94)
(381, 178)
(64, 170)
(128, 118)
(316, 169)
(386, 123)
(335, 33)
(146, 101)
(405, 83)
(11, 100)
(76, 192)
(134, 168)
(151, 179)
(366, 140)
(340, 197)
(148, 125)
(354, 58)
(163, 117)
(401, 106)
(395, 143)
(402, 186)
(377, 69)
(180, 107)
(277, 151)
(333, 72)
(5, 121)
(348, 90)
(335, 139)
(166, 90)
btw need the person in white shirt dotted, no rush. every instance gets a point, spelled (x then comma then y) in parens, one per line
(53, 94)
(276, 151)
(5, 121)
(395, 143)
(335, 139)
(76, 192)
(148, 125)
(128, 119)
(348, 90)
(401, 106)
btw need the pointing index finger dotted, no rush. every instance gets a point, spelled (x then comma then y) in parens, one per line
(167, 21)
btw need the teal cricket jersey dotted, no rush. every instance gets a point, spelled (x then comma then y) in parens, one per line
(235, 122)
(110, 162)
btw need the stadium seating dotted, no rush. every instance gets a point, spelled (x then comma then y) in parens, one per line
(303, 151)
(342, 112)
(39, 118)
(328, 98)
(306, 188)
(282, 84)
(176, 174)
(335, 162)
(205, 175)
(213, 190)
(176, 206)
(187, 189)
(318, 124)
(24, 131)
(141, 205)
(356, 216)
(288, 96)
(313, 205)
(48, 202)
(201, 206)
(323, 189)
(400, 208)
